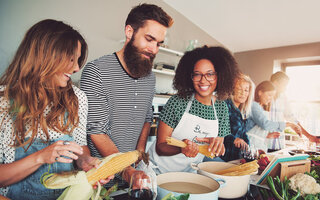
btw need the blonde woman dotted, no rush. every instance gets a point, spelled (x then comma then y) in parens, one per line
(42, 115)
(239, 105)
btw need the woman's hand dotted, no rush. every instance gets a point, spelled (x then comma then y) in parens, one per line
(273, 135)
(216, 145)
(295, 127)
(191, 150)
(54, 152)
(240, 143)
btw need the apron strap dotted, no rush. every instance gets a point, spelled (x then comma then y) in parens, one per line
(190, 103)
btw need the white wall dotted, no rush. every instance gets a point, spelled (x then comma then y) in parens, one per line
(101, 22)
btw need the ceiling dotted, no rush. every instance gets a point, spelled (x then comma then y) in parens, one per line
(243, 25)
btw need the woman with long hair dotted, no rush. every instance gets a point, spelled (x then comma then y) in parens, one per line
(260, 128)
(42, 114)
(197, 114)
(239, 105)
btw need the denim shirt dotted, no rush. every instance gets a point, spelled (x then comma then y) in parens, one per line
(238, 130)
(257, 117)
(31, 188)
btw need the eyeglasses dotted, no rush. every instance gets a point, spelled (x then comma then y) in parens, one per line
(209, 76)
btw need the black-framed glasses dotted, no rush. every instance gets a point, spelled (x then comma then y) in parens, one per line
(212, 76)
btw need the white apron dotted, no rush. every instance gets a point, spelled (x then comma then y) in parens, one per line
(189, 127)
(257, 136)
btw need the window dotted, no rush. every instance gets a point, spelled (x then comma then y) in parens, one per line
(303, 92)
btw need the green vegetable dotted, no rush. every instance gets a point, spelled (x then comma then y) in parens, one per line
(170, 196)
(272, 187)
(265, 194)
(314, 175)
(104, 194)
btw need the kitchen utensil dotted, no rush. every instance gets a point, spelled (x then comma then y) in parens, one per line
(236, 186)
(185, 177)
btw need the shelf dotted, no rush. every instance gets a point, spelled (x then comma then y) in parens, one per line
(163, 72)
(177, 53)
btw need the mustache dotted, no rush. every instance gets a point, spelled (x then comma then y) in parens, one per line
(150, 55)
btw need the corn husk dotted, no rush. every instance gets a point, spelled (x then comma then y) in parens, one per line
(77, 184)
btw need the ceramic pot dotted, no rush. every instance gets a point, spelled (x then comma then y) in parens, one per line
(236, 186)
(213, 184)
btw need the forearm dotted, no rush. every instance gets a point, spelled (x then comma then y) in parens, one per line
(163, 149)
(141, 145)
(308, 135)
(104, 144)
(14, 172)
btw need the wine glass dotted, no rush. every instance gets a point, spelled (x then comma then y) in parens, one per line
(250, 153)
(141, 187)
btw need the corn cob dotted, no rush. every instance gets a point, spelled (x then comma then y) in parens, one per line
(79, 184)
(203, 149)
(112, 166)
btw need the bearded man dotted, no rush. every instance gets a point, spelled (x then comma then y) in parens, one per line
(120, 87)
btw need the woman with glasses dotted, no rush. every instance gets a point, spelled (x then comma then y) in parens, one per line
(239, 105)
(197, 114)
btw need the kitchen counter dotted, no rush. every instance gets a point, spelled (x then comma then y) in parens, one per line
(253, 194)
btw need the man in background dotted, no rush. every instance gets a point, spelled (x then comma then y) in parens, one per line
(280, 108)
(120, 87)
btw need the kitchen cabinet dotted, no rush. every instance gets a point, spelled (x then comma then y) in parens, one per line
(164, 78)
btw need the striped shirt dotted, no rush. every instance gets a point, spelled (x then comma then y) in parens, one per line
(119, 105)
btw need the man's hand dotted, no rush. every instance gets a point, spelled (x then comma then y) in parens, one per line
(240, 143)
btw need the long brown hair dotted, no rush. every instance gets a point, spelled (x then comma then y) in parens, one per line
(45, 50)
(264, 86)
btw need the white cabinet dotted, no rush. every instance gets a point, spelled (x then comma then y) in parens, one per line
(177, 53)
(164, 78)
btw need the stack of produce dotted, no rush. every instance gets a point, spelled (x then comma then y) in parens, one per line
(263, 162)
(298, 187)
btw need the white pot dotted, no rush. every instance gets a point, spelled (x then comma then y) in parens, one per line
(189, 178)
(236, 186)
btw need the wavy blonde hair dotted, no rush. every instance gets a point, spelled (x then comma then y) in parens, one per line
(245, 108)
(45, 50)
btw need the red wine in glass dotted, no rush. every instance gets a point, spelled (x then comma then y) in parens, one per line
(141, 194)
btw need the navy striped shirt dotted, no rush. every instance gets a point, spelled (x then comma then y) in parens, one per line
(119, 104)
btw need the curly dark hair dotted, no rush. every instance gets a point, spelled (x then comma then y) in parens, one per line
(139, 14)
(224, 63)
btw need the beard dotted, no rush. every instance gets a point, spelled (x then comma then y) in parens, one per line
(137, 65)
